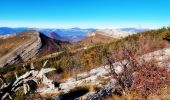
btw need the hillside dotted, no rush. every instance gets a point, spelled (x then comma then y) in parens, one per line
(50, 45)
(25, 46)
(97, 38)
(19, 48)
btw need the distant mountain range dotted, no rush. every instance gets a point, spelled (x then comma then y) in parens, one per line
(7, 30)
(133, 29)
(71, 34)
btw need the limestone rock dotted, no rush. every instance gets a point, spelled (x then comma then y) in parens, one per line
(25, 51)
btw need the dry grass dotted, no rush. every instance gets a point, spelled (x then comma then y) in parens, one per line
(162, 94)
(6, 45)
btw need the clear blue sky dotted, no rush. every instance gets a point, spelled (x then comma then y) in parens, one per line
(85, 13)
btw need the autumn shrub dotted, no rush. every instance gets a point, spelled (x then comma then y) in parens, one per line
(143, 77)
(139, 76)
(149, 78)
(166, 36)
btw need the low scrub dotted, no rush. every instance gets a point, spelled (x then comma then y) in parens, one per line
(140, 76)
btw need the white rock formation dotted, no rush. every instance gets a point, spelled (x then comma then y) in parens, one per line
(115, 33)
(25, 51)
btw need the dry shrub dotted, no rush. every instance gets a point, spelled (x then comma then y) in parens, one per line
(166, 36)
(140, 76)
(34, 96)
(129, 96)
(149, 78)
(149, 43)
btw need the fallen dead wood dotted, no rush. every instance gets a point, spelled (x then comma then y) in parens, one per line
(34, 76)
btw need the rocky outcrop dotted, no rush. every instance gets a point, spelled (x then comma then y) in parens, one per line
(118, 32)
(115, 33)
(104, 92)
(23, 52)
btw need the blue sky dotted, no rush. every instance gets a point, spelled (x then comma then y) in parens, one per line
(85, 13)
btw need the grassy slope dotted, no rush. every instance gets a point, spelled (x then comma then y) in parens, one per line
(6, 45)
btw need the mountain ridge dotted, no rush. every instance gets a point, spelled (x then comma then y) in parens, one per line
(25, 46)
(71, 34)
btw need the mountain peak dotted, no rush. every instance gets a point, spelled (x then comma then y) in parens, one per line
(76, 28)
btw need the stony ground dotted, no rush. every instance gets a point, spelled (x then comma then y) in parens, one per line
(100, 76)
